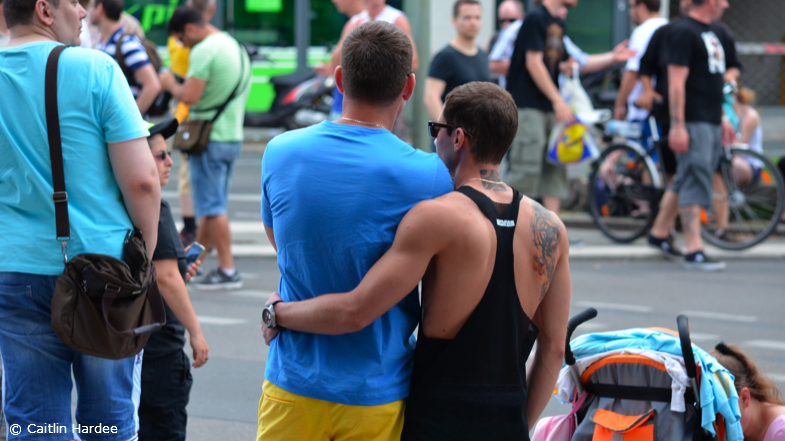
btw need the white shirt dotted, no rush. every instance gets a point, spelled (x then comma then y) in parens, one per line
(639, 41)
(502, 49)
(388, 14)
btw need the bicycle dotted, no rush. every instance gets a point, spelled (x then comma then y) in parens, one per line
(627, 182)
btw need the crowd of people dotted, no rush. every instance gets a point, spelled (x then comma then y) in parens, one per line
(491, 254)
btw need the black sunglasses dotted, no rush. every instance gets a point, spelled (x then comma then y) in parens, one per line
(162, 156)
(434, 127)
(506, 20)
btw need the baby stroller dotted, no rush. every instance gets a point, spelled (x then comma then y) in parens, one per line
(643, 385)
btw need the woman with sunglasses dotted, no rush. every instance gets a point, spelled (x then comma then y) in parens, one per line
(166, 375)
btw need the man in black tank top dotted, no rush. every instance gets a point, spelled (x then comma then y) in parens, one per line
(495, 274)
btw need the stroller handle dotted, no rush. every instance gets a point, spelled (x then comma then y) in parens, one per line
(683, 324)
(574, 322)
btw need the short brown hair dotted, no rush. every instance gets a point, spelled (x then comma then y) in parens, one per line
(651, 5)
(488, 114)
(20, 12)
(376, 60)
(112, 8)
(456, 8)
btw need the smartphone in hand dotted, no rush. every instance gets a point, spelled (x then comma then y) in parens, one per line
(196, 252)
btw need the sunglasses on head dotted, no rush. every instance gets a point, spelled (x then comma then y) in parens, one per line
(434, 127)
(506, 20)
(162, 156)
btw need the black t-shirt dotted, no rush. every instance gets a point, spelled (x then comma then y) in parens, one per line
(170, 338)
(456, 68)
(540, 32)
(703, 49)
(654, 62)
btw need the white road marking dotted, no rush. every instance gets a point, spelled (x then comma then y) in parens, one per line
(697, 336)
(779, 378)
(721, 316)
(264, 295)
(235, 197)
(219, 321)
(767, 344)
(615, 306)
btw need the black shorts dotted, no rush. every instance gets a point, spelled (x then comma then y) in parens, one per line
(166, 386)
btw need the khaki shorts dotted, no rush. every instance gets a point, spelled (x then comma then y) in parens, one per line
(290, 417)
(529, 171)
(184, 177)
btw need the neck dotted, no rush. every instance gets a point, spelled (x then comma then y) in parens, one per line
(464, 44)
(368, 113)
(480, 176)
(355, 9)
(650, 16)
(702, 15)
(756, 427)
(24, 34)
(552, 6)
(374, 11)
(107, 29)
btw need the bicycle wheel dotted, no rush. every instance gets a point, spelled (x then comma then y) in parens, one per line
(748, 199)
(622, 198)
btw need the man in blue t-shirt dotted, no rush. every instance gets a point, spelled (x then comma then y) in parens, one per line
(111, 181)
(133, 59)
(332, 197)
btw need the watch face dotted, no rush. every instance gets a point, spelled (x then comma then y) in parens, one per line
(266, 319)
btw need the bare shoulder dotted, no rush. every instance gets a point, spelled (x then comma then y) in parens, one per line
(545, 238)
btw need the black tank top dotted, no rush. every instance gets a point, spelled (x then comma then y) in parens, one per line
(473, 387)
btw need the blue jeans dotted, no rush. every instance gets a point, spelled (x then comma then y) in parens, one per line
(211, 177)
(37, 372)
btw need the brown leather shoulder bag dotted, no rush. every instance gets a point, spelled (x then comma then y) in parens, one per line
(102, 306)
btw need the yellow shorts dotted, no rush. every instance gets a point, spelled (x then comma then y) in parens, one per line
(290, 417)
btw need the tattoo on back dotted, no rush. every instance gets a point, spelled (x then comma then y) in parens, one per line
(546, 233)
(492, 175)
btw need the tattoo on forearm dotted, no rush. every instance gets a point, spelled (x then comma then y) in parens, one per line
(492, 175)
(546, 233)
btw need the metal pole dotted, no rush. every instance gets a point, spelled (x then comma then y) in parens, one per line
(302, 31)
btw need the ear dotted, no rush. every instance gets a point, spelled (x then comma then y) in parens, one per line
(189, 28)
(45, 12)
(339, 79)
(408, 90)
(744, 398)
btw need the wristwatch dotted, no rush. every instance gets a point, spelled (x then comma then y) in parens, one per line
(268, 316)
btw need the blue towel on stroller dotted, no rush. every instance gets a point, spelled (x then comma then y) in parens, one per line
(717, 392)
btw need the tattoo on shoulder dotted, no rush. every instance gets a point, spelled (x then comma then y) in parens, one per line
(547, 233)
(492, 175)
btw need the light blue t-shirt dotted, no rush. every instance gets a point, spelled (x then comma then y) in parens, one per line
(95, 107)
(334, 195)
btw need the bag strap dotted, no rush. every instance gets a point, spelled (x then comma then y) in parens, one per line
(220, 109)
(154, 299)
(118, 56)
(60, 197)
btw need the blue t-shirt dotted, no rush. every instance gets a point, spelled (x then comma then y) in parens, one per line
(334, 195)
(96, 107)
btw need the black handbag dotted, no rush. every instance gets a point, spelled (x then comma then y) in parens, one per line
(102, 306)
(193, 136)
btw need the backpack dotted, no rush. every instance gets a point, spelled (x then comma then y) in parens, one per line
(161, 104)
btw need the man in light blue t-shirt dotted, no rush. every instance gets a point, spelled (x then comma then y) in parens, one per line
(111, 182)
(332, 197)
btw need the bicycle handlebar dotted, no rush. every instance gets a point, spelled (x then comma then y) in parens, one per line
(574, 322)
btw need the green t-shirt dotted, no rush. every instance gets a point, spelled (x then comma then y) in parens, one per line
(216, 60)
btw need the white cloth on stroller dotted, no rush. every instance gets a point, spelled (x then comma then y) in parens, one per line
(673, 364)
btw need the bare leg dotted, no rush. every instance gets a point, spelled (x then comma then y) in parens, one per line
(203, 235)
(217, 228)
(669, 209)
(186, 204)
(691, 223)
(551, 203)
(720, 202)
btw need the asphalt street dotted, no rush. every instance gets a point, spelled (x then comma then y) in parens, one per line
(742, 305)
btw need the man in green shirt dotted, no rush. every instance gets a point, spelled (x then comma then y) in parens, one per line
(218, 68)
